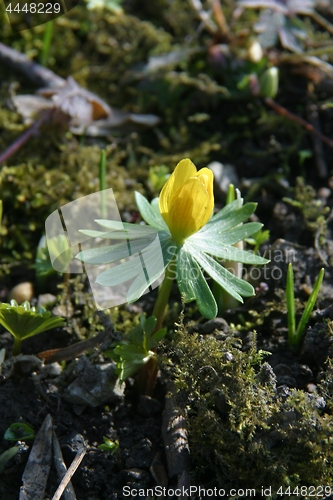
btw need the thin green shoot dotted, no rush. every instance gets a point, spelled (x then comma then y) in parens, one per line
(310, 304)
(8, 455)
(47, 40)
(102, 183)
(291, 303)
(295, 335)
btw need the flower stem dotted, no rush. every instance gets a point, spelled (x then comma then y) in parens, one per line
(148, 373)
(17, 346)
(163, 295)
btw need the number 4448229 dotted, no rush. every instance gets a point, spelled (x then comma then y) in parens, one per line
(305, 491)
(35, 8)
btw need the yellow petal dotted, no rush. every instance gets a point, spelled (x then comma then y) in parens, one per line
(206, 176)
(190, 209)
(183, 171)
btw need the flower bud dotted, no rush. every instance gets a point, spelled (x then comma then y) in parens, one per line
(269, 82)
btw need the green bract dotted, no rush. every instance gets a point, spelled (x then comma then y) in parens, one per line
(24, 321)
(195, 255)
(135, 352)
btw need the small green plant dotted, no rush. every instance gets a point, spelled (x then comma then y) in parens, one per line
(138, 349)
(19, 432)
(8, 455)
(295, 334)
(258, 239)
(25, 321)
(108, 445)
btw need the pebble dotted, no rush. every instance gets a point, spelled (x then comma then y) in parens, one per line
(21, 292)
(46, 299)
(215, 324)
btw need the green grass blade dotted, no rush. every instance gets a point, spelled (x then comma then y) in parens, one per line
(309, 306)
(47, 41)
(291, 305)
(102, 182)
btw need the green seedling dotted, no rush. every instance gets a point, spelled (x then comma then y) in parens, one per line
(138, 349)
(19, 432)
(258, 239)
(8, 455)
(295, 334)
(108, 445)
(25, 321)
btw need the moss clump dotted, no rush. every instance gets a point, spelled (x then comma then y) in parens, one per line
(243, 431)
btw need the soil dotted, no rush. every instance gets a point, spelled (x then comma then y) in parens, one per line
(185, 432)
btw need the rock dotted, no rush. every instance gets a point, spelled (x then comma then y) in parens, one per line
(21, 292)
(215, 324)
(95, 384)
(46, 299)
(228, 357)
(267, 375)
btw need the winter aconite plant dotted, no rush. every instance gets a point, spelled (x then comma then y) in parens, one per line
(25, 321)
(191, 240)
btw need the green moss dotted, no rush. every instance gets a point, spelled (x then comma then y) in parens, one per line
(242, 434)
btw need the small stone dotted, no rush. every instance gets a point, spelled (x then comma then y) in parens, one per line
(318, 401)
(267, 375)
(228, 357)
(22, 292)
(311, 388)
(95, 384)
(324, 193)
(215, 324)
(46, 299)
(283, 391)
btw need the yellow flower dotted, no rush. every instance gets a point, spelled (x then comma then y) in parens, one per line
(186, 201)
